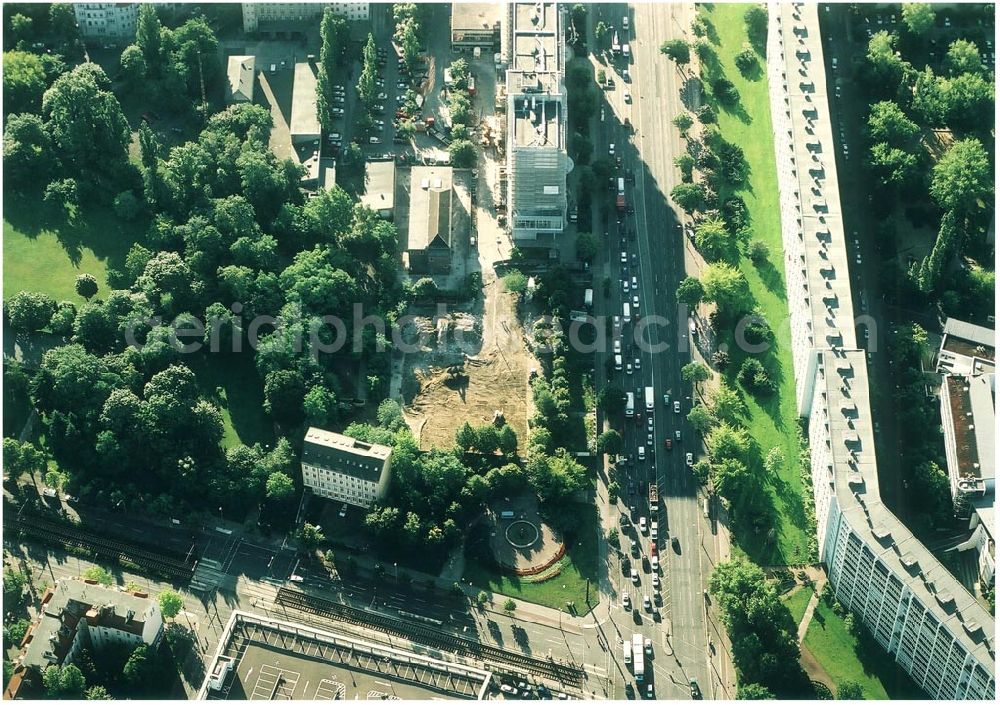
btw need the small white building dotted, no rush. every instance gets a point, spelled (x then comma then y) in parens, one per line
(241, 77)
(344, 469)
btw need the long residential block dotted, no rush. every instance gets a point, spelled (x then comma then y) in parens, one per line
(915, 608)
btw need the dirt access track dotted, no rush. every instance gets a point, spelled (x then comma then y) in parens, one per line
(494, 377)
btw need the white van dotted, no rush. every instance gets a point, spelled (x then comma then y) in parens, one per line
(627, 312)
(627, 651)
(621, 186)
(507, 515)
(618, 363)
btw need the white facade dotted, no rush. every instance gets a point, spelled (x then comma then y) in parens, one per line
(930, 624)
(114, 21)
(256, 13)
(344, 469)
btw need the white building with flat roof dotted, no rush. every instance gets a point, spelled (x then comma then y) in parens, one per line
(912, 605)
(344, 469)
(537, 161)
(966, 349)
(271, 17)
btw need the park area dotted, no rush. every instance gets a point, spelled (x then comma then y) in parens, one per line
(771, 420)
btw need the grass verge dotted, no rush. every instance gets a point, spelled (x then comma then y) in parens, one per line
(846, 657)
(231, 382)
(796, 601)
(771, 420)
(576, 580)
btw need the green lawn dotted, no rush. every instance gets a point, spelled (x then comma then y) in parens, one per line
(38, 256)
(773, 422)
(846, 658)
(576, 580)
(796, 601)
(231, 382)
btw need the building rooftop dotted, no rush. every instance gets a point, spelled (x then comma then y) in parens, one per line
(430, 207)
(537, 122)
(344, 454)
(855, 478)
(475, 16)
(240, 75)
(71, 600)
(380, 185)
(275, 659)
(966, 349)
(305, 120)
(973, 412)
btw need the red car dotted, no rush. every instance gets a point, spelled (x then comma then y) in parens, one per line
(668, 444)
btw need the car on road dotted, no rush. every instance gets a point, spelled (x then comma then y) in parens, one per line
(642, 524)
(343, 511)
(618, 347)
(648, 644)
(653, 530)
(635, 575)
(509, 690)
(381, 96)
(626, 77)
(689, 459)
(676, 544)
(635, 282)
(666, 400)
(611, 149)
(337, 112)
(656, 581)
(649, 423)
(638, 366)
(647, 604)
(635, 301)
(628, 368)
(624, 257)
(626, 601)
(629, 691)
(677, 407)
(339, 99)
(628, 97)
(677, 436)
(401, 86)
(695, 690)
(374, 140)
(624, 286)
(650, 694)
(668, 444)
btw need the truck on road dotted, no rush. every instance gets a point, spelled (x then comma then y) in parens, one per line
(638, 667)
(654, 497)
(620, 197)
(588, 298)
(650, 402)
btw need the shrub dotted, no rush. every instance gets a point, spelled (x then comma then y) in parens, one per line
(757, 251)
(746, 60)
(706, 114)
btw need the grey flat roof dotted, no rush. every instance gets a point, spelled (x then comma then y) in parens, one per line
(380, 185)
(966, 349)
(305, 121)
(475, 16)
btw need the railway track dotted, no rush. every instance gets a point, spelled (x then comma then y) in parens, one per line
(564, 673)
(164, 562)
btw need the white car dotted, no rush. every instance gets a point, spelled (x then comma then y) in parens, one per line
(642, 524)
(618, 347)
(628, 97)
(677, 435)
(689, 459)
(635, 575)
(638, 366)
(649, 647)
(635, 283)
(635, 301)
(611, 149)
(626, 602)
(624, 286)
(656, 581)
(628, 368)
(647, 603)
(653, 530)
(677, 407)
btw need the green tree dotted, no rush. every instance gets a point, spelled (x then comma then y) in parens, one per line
(14, 581)
(133, 65)
(319, 405)
(280, 487)
(27, 152)
(690, 291)
(148, 37)
(20, 458)
(138, 669)
(610, 442)
(727, 287)
(893, 166)
(753, 691)
(482, 597)
(515, 282)
(888, 123)
(462, 154)
(310, 537)
(284, 392)
(746, 60)
(600, 33)
(700, 419)
(683, 122)
(14, 632)
(21, 27)
(24, 82)
(677, 50)
(586, 246)
(509, 606)
(963, 57)
(64, 682)
(171, 603)
(97, 692)
(86, 286)
(851, 690)
(690, 197)
(714, 240)
(695, 372)
(612, 400)
(887, 68)
(755, 19)
(99, 575)
(918, 17)
(962, 179)
(29, 311)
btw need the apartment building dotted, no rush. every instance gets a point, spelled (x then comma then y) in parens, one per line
(77, 614)
(285, 17)
(537, 162)
(915, 608)
(111, 21)
(344, 469)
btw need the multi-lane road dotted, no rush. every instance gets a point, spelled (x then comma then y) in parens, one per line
(650, 235)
